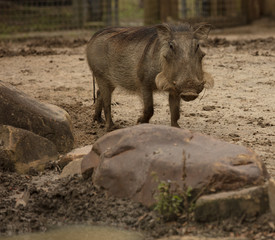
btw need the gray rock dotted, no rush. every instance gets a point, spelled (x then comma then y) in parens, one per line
(47, 120)
(21, 150)
(201, 238)
(89, 163)
(74, 160)
(77, 153)
(245, 203)
(271, 195)
(73, 168)
(123, 162)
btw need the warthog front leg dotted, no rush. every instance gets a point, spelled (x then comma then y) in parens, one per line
(148, 105)
(174, 104)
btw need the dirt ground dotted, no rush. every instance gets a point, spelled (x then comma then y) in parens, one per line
(239, 109)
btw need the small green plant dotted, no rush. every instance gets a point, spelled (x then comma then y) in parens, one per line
(169, 204)
(173, 202)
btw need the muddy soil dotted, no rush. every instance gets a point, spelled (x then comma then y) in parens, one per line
(239, 109)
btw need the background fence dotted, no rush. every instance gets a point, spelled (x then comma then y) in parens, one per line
(37, 15)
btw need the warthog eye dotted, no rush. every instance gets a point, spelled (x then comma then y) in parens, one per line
(197, 47)
(171, 45)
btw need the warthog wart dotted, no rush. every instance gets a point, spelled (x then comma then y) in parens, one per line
(145, 59)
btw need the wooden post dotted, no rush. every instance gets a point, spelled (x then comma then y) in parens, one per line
(221, 8)
(214, 8)
(253, 10)
(85, 14)
(175, 9)
(78, 13)
(116, 13)
(151, 12)
(230, 10)
(169, 9)
(268, 8)
(107, 12)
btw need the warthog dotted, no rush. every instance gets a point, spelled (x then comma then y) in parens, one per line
(144, 59)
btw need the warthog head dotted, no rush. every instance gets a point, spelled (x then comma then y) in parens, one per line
(181, 60)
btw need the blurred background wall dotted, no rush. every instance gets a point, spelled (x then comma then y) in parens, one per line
(47, 15)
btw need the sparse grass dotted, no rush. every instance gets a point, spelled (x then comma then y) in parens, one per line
(172, 201)
(170, 205)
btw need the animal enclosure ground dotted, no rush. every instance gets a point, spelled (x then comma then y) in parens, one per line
(239, 109)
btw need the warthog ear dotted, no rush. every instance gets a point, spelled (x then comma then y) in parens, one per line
(202, 30)
(162, 83)
(164, 32)
(209, 81)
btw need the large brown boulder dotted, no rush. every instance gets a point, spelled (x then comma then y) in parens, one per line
(21, 150)
(123, 161)
(47, 120)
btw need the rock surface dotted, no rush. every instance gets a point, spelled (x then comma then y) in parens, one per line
(202, 238)
(245, 203)
(77, 153)
(47, 120)
(89, 163)
(271, 195)
(73, 168)
(21, 150)
(125, 159)
(74, 160)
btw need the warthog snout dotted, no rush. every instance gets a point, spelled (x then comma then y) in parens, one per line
(189, 96)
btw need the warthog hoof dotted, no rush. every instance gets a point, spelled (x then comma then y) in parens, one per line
(98, 119)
